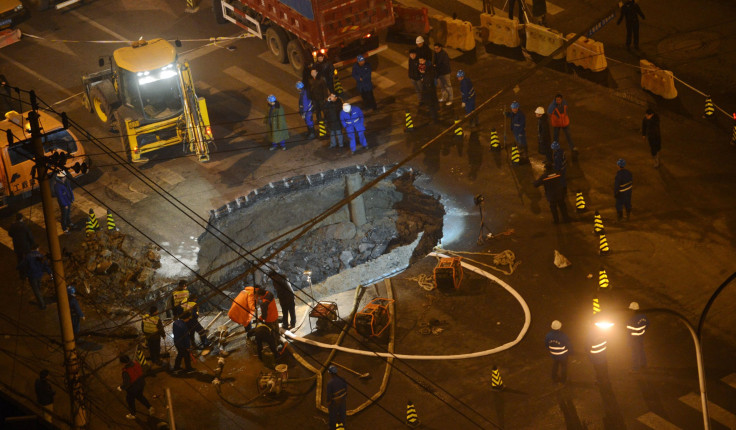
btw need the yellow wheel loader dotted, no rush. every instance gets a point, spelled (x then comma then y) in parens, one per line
(149, 97)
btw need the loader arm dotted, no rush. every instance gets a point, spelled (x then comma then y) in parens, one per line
(198, 130)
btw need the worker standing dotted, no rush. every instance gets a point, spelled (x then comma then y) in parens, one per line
(153, 330)
(333, 107)
(65, 198)
(637, 326)
(179, 296)
(337, 392)
(318, 93)
(326, 71)
(244, 307)
(518, 128)
(558, 345)
(306, 109)
(543, 137)
(362, 75)
(442, 66)
(45, 394)
(559, 162)
(414, 76)
(631, 12)
(193, 323)
(554, 191)
(275, 121)
(622, 188)
(33, 266)
(560, 120)
(352, 119)
(133, 383)
(598, 346)
(650, 132)
(467, 93)
(286, 298)
(21, 237)
(422, 49)
(429, 87)
(269, 314)
(76, 310)
(182, 343)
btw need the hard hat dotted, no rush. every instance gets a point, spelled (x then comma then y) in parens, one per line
(361, 58)
(271, 98)
(634, 306)
(420, 39)
(346, 107)
(539, 110)
(460, 74)
(555, 145)
(61, 174)
(556, 325)
(621, 162)
(332, 369)
(515, 105)
(300, 85)
(71, 290)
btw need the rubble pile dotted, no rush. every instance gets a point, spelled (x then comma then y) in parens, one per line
(115, 270)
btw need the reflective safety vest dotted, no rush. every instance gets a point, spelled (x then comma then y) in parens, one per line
(187, 306)
(626, 186)
(150, 324)
(557, 349)
(638, 325)
(598, 346)
(180, 296)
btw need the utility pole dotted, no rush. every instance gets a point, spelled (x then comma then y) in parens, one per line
(71, 359)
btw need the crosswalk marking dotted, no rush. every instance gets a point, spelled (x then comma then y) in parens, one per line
(716, 412)
(654, 421)
(285, 98)
(382, 82)
(396, 57)
(730, 380)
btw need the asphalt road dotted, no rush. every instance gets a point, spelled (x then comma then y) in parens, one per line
(675, 251)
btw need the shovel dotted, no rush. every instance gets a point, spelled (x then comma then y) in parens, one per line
(358, 374)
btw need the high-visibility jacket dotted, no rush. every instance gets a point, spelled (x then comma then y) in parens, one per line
(557, 343)
(269, 313)
(598, 346)
(180, 296)
(243, 307)
(638, 325)
(150, 324)
(188, 306)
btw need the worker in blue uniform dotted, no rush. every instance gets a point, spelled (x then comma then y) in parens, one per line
(362, 75)
(622, 187)
(306, 109)
(352, 119)
(337, 391)
(518, 128)
(467, 93)
(558, 345)
(636, 327)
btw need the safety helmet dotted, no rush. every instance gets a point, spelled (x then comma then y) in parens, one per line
(361, 58)
(332, 369)
(555, 145)
(515, 105)
(539, 110)
(634, 306)
(346, 107)
(460, 74)
(71, 290)
(300, 85)
(420, 39)
(556, 325)
(621, 162)
(271, 98)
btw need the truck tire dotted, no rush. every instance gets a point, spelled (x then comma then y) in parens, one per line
(103, 100)
(276, 40)
(297, 55)
(217, 10)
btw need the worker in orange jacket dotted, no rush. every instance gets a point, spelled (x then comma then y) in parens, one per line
(244, 307)
(269, 314)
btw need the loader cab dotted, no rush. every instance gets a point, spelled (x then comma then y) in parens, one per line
(148, 79)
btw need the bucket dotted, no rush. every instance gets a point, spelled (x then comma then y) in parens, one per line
(283, 371)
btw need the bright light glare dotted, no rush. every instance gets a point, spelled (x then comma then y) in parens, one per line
(163, 73)
(605, 325)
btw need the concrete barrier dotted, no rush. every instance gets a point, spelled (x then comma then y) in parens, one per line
(439, 29)
(658, 81)
(543, 40)
(501, 31)
(586, 53)
(459, 35)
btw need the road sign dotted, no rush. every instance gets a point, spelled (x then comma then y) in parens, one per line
(601, 23)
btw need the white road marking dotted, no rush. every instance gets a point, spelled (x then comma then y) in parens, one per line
(716, 412)
(98, 26)
(654, 421)
(730, 380)
(382, 82)
(264, 87)
(36, 75)
(396, 57)
(270, 59)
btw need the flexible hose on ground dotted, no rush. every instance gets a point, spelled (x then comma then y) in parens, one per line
(507, 287)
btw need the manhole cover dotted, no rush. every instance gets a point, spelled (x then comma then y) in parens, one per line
(697, 44)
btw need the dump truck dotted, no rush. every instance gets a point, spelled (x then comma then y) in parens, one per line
(149, 97)
(17, 156)
(294, 30)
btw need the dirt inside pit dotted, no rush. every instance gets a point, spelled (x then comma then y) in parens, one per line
(397, 214)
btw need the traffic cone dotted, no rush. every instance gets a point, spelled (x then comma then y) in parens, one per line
(515, 157)
(603, 246)
(337, 84)
(709, 108)
(110, 222)
(496, 143)
(412, 418)
(579, 202)
(596, 305)
(733, 136)
(598, 224)
(322, 128)
(408, 123)
(92, 224)
(496, 381)
(602, 279)
(458, 129)
(140, 357)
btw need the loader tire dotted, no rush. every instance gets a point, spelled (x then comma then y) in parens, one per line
(103, 101)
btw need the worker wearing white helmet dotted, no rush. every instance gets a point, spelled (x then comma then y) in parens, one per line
(544, 138)
(637, 326)
(558, 345)
(352, 119)
(423, 50)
